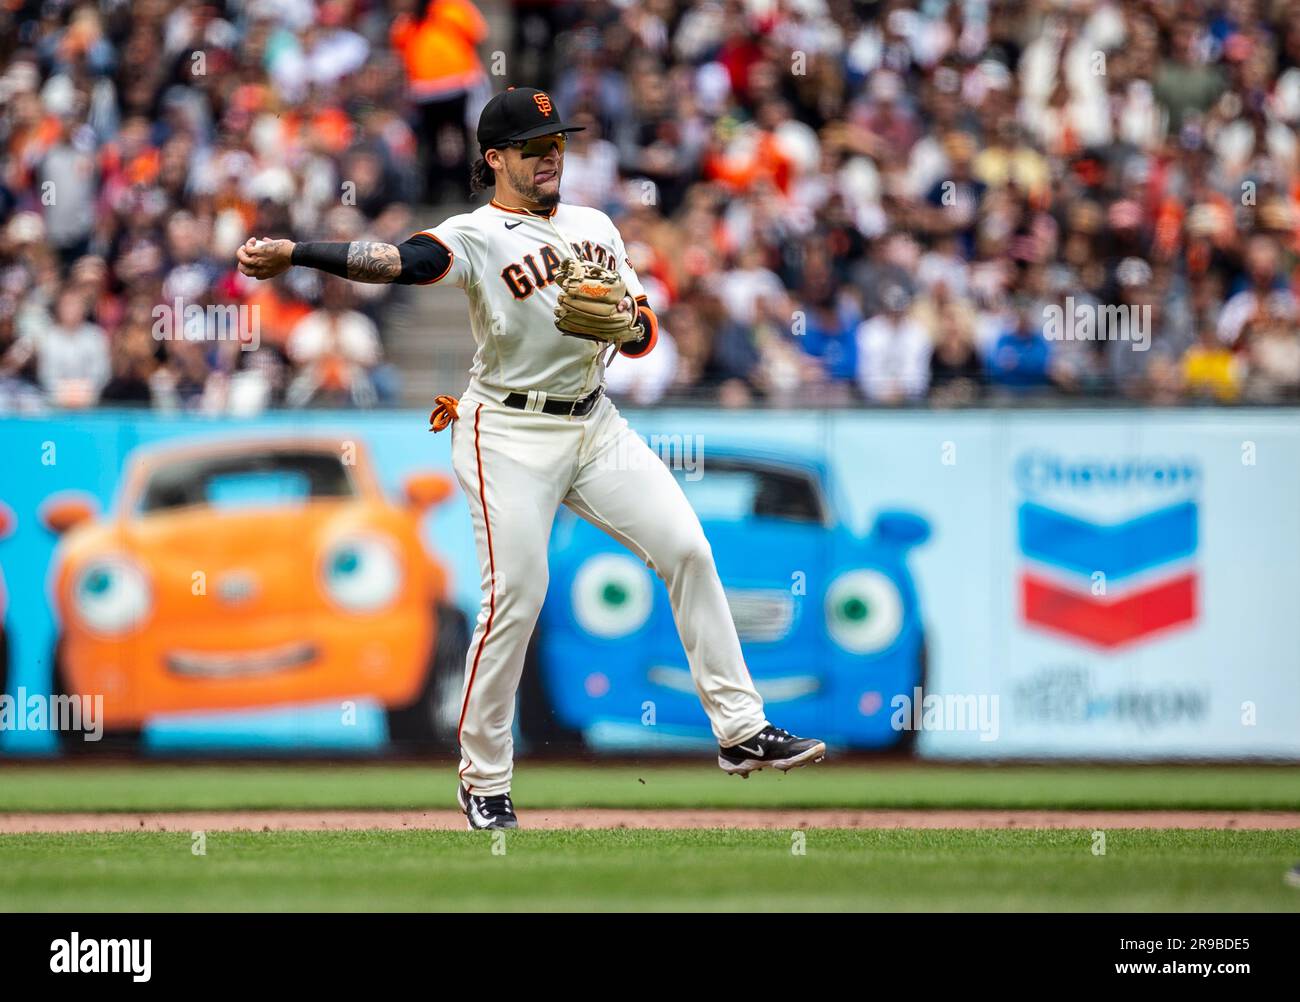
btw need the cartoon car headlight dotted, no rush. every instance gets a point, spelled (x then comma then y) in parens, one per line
(362, 573)
(864, 611)
(612, 596)
(111, 596)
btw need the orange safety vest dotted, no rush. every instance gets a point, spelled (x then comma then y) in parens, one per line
(439, 51)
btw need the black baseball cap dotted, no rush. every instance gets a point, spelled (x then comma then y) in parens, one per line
(517, 114)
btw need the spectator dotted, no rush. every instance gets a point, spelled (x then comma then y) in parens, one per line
(1020, 359)
(733, 361)
(72, 357)
(893, 352)
(955, 370)
(335, 350)
(826, 322)
(1211, 372)
(956, 199)
(1273, 356)
(1163, 318)
(751, 290)
(1185, 85)
(830, 337)
(67, 185)
(437, 43)
(644, 381)
(1263, 281)
(133, 366)
(591, 167)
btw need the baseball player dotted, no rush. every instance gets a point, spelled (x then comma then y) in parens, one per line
(552, 296)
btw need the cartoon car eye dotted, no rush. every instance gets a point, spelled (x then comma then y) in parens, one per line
(864, 611)
(362, 573)
(111, 595)
(611, 595)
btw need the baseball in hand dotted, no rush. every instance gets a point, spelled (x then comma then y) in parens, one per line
(260, 258)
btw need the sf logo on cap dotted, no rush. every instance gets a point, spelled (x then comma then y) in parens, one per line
(543, 102)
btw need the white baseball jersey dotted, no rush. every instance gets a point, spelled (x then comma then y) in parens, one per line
(507, 261)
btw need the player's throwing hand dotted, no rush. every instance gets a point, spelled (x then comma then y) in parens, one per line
(264, 258)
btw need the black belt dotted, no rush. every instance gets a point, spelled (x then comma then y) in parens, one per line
(564, 408)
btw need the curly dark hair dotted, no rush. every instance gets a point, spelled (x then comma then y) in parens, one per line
(481, 176)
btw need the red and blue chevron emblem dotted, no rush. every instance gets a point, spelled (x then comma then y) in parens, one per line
(1144, 564)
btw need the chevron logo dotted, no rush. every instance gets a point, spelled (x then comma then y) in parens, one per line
(1108, 584)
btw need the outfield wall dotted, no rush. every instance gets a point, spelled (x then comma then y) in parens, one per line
(1102, 584)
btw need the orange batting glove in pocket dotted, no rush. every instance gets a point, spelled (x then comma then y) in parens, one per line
(445, 411)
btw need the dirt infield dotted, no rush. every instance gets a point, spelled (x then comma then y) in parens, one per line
(192, 821)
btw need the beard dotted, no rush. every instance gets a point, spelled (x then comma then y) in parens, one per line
(521, 179)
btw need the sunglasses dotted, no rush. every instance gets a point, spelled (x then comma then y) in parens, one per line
(540, 146)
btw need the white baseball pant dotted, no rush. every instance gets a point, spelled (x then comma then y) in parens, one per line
(517, 467)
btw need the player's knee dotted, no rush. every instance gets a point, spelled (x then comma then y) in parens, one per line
(520, 595)
(688, 553)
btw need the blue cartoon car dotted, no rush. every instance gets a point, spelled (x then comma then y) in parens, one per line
(829, 619)
(7, 522)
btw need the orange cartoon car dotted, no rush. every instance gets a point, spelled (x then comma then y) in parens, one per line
(255, 573)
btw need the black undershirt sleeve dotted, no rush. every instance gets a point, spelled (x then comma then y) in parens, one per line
(323, 256)
(424, 261)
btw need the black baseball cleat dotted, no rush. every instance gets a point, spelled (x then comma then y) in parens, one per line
(486, 813)
(771, 747)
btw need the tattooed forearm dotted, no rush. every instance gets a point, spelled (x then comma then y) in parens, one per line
(373, 262)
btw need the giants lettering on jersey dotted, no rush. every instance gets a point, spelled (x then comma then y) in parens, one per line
(538, 270)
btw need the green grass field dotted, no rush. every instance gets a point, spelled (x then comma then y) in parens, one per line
(635, 870)
(850, 785)
(652, 870)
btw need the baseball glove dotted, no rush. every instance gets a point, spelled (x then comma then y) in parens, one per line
(588, 307)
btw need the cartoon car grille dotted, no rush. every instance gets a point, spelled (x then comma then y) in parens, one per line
(761, 615)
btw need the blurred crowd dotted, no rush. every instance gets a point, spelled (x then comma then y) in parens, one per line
(142, 142)
(890, 201)
(829, 201)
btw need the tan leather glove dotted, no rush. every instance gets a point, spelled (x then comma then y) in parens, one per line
(589, 304)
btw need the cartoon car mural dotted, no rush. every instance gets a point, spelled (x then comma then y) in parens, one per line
(829, 620)
(254, 573)
(7, 523)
